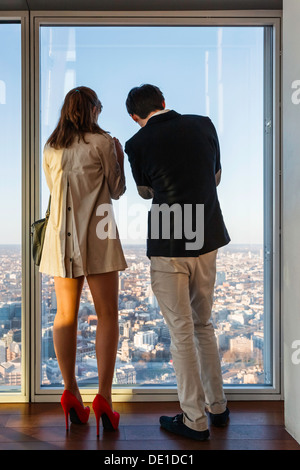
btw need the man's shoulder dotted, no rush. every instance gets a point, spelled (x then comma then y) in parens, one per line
(203, 123)
(196, 117)
(132, 142)
(133, 138)
(147, 131)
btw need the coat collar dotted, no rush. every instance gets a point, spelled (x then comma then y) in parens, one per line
(162, 117)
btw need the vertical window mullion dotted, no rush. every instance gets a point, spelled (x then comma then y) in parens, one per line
(268, 203)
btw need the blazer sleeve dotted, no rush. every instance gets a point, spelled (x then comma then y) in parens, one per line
(216, 145)
(144, 186)
(114, 175)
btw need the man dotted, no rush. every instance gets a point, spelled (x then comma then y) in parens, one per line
(175, 160)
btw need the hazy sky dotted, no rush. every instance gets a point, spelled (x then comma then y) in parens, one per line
(10, 133)
(201, 70)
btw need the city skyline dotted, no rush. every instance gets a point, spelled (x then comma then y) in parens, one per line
(143, 353)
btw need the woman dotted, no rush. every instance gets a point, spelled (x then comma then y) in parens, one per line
(83, 166)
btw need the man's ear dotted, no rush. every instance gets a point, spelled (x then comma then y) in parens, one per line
(135, 117)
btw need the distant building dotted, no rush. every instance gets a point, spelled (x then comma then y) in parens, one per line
(241, 344)
(258, 340)
(125, 375)
(11, 373)
(220, 278)
(237, 317)
(144, 339)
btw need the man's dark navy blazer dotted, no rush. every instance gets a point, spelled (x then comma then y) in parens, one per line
(178, 157)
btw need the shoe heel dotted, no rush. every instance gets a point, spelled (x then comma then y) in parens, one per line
(67, 419)
(66, 409)
(98, 416)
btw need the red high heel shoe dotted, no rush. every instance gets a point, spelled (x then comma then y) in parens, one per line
(110, 419)
(78, 413)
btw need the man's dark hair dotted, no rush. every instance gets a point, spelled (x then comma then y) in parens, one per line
(143, 100)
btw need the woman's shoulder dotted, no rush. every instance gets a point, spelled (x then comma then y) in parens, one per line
(100, 142)
(93, 140)
(47, 148)
(48, 151)
(95, 137)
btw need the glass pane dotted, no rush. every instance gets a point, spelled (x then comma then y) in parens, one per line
(214, 71)
(10, 208)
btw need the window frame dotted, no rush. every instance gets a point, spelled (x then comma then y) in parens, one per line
(272, 184)
(23, 396)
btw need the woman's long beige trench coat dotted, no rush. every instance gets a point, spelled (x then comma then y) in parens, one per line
(81, 179)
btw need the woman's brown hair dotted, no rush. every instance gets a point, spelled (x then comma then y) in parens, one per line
(77, 117)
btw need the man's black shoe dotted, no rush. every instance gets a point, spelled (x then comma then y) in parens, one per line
(220, 419)
(177, 426)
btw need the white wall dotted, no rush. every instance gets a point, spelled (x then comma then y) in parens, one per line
(291, 215)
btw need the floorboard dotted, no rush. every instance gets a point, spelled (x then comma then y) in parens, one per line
(41, 426)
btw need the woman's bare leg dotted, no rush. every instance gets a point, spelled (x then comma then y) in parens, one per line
(104, 290)
(68, 293)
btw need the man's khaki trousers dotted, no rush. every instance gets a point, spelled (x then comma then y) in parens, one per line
(184, 288)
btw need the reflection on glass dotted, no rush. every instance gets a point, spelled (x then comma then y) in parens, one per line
(10, 208)
(202, 70)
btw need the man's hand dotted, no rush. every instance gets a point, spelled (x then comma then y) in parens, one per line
(145, 192)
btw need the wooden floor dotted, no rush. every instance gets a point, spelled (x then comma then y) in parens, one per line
(252, 426)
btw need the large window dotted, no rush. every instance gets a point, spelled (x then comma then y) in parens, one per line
(10, 208)
(214, 71)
